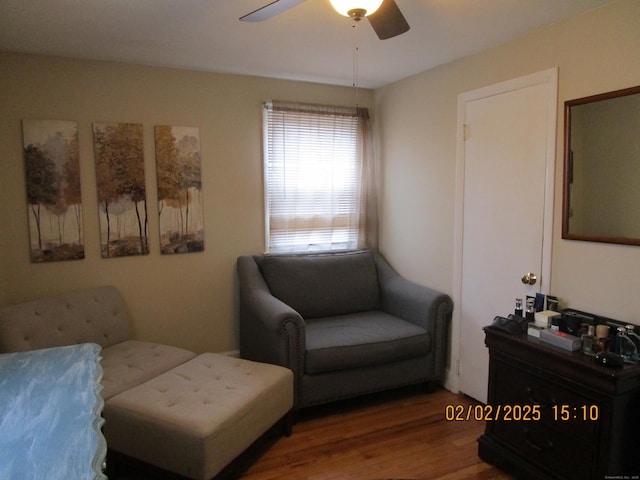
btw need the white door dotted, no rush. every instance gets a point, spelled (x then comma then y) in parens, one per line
(506, 182)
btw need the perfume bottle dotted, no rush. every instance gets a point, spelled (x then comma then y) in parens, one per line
(589, 344)
(625, 346)
(518, 310)
(530, 313)
(631, 333)
(635, 338)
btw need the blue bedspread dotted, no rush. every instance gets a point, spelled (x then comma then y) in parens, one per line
(50, 409)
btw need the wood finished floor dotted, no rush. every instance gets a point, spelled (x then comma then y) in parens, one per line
(400, 434)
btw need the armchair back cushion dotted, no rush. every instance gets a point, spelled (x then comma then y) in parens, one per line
(324, 285)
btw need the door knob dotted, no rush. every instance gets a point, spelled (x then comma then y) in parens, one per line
(529, 278)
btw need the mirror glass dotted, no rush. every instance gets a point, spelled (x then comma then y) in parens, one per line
(602, 168)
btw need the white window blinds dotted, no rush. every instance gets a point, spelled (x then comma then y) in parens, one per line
(313, 171)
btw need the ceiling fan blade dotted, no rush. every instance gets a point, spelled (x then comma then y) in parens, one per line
(388, 20)
(270, 10)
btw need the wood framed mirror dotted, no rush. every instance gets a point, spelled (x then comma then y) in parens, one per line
(601, 200)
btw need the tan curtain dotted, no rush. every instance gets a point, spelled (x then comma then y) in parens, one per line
(368, 237)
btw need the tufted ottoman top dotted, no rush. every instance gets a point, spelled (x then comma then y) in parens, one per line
(196, 417)
(129, 363)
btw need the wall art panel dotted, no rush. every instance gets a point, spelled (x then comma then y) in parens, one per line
(180, 210)
(52, 170)
(119, 158)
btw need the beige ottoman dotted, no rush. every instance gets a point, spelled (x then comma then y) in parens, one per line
(196, 418)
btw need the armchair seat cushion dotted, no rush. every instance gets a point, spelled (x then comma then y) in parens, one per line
(362, 340)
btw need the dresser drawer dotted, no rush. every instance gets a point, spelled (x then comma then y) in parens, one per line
(546, 448)
(514, 385)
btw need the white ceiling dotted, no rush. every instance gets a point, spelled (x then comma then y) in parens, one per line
(308, 42)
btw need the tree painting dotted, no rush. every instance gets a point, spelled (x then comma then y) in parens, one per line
(52, 168)
(179, 189)
(120, 180)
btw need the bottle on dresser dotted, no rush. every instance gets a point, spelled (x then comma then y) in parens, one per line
(602, 338)
(635, 338)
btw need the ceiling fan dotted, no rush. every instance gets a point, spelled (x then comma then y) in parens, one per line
(384, 16)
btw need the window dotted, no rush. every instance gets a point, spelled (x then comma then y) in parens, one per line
(313, 165)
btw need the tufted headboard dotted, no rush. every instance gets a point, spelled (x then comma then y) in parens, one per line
(96, 315)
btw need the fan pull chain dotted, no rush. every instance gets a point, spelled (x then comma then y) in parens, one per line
(355, 61)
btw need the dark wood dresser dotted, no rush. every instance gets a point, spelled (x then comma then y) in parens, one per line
(586, 420)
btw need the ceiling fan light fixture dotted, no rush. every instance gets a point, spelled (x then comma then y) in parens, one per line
(356, 9)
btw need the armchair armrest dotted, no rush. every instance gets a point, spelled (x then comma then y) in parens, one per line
(270, 330)
(417, 304)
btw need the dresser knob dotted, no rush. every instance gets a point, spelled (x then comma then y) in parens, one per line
(548, 444)
(549, 403)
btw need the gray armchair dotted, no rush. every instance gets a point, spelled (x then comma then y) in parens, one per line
(345, 323)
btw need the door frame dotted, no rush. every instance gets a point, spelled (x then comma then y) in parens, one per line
(550, 78)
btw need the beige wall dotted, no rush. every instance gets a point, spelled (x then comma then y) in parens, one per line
(187, 299)
(596, 52)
